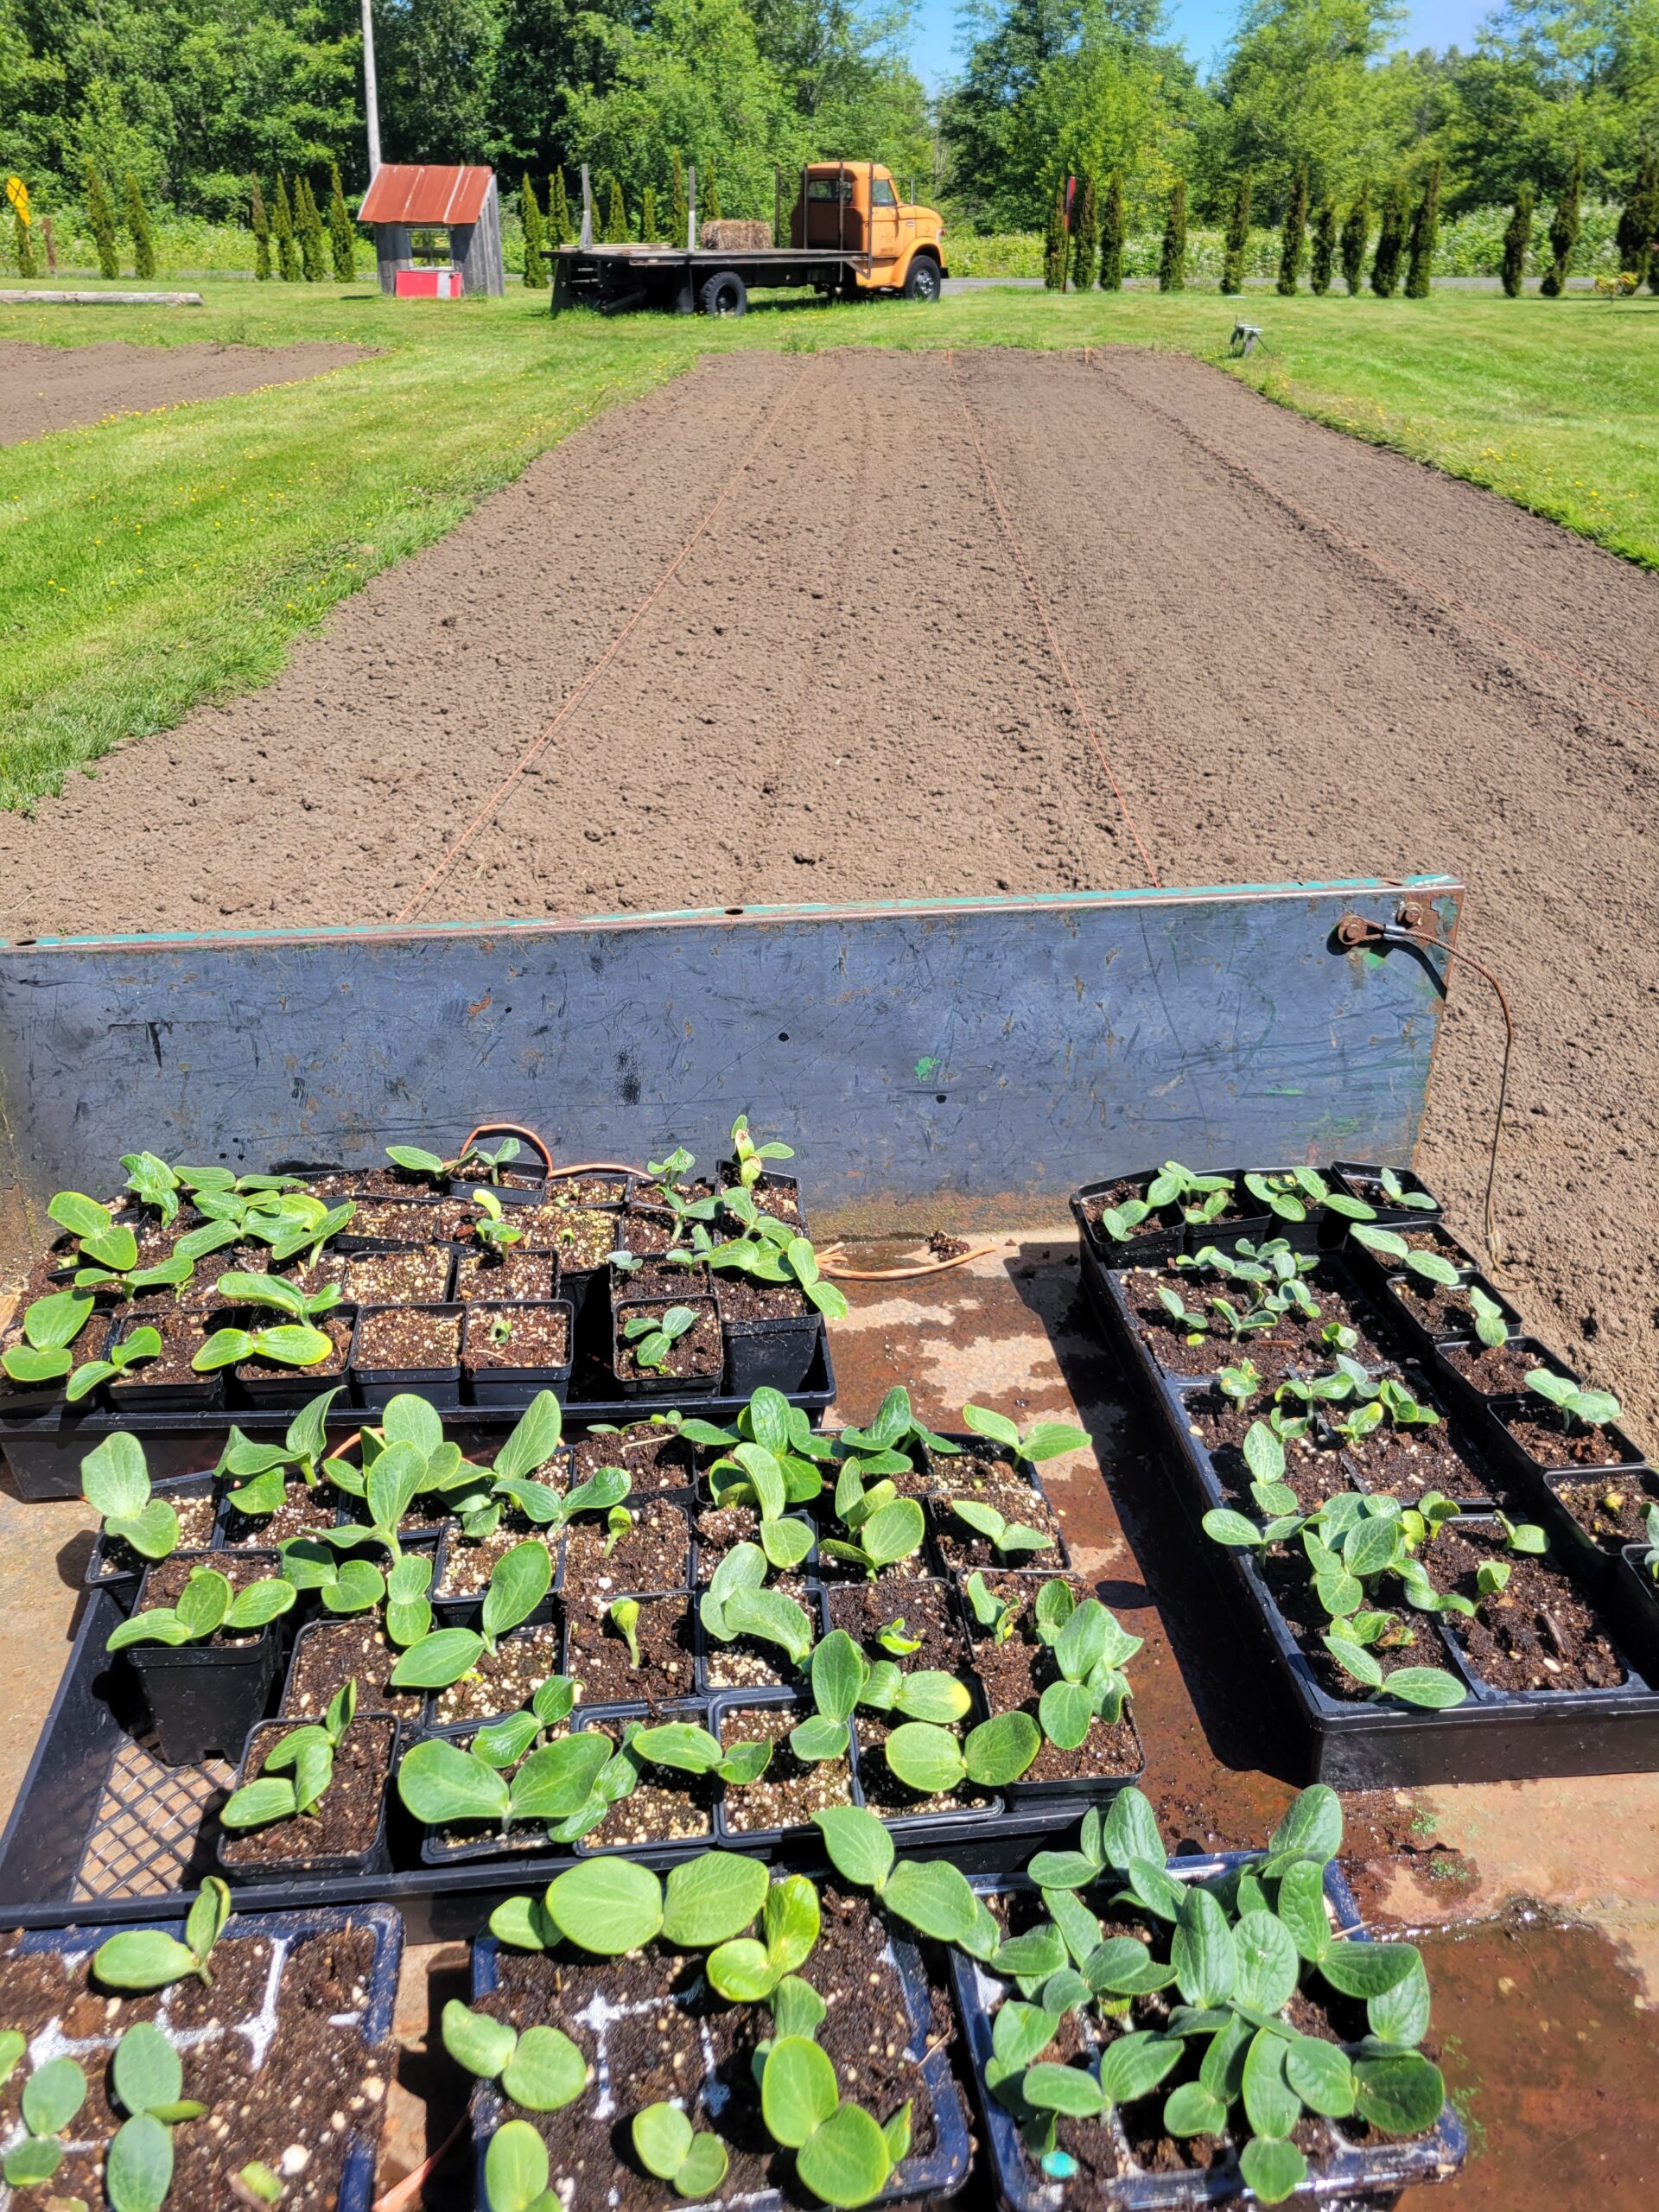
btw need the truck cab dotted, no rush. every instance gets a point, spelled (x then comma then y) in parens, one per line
(854, 207)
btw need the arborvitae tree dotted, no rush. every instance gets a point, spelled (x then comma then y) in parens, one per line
(1324, 249)
(100, 221)
(616, 214)
(710, 211)
(1055, 241)
(342, 238)
(679, 208)
(1292, 243)
(1564, 230)
(313, 243)
(1425, 236)
(1516, 239)
(1085, 236)
(1238, 235)
(138, 218)
(261, 222)
(23, 246)
(1171, 266)
(1638, 221)
(648, 216)
(1113, 229)
(559, 229)
(1391, 242)
(1356, 237)
(282, 229)
(535, 264)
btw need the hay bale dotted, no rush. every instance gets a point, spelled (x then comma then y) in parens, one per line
(734, 236)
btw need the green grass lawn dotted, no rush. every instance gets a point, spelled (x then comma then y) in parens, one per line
(157, 561)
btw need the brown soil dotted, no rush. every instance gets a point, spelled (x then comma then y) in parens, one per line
(743, 1300)
(1539, 1633)
(1236, 622)
(781, 1200)
(586, 1191)
(49, 388)
(329, 1654)
(884, 1793)
(1610, 1511)
(654, 1555)
(166, 1579)
(1496, 1370)
(516, 1274)
(469, 1561)
(408, 1221)
(663, 1279)
(967, 1474)
(182, 1336)
(1313, 1473)
(789, 1791)
(1406, 1463)
(959, 1545)
(1442, 1308)
(695, 1356)
(308, 2086)
(539, 1338)
(502, 1681)
(750, 1664)
(656, 1458)
(337, 1327)
(195, 1534)
(583, 1236)
(388, 1182)
(667, 2036)
(864, 1610)
(597, 1656)
(664, 1806)
(300, 1511)
(349, 1813)
(1552, 1445)
(417, 1277)
(643, 1233)
(1292, 1345)
(1015, 1674)
(404, 1340)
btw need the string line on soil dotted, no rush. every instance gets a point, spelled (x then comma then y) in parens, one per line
(493, 805)
(1054, 645)
(1414, 584)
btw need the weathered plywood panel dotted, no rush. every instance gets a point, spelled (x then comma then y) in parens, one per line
(967, 1061)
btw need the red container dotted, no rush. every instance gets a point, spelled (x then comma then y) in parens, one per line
(428, 285)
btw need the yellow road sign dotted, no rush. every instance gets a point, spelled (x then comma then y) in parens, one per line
(17, 193)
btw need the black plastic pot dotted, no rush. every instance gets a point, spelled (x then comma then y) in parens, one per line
(1348, 2174)
(1428, 1338)
(509, 1389)
(376, 1860)
(133, 1395)
(284, 1932)
(205, 1697)
(376, 1386)
(726, 1707)
(26, 1399)
(659, 1386)
(668, 1850)
(1501, 1411)
(104, 1574)
(1457, 1386)
(770, 1182)
(285, 1390)
(776, 1355)
(1158, 1240)
(1351, 1174)
(929, 2179)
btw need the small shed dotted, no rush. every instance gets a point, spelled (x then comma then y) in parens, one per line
(406, 196)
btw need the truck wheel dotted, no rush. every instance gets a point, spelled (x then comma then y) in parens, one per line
(922, 280)
(725, 293)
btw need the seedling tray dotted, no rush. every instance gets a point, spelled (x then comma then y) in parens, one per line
(1354, 1744)
(44, 1451)
(283, 1928)
(928, 2179)
(1346, 2173)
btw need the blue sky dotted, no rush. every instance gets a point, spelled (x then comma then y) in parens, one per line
(1202, 28)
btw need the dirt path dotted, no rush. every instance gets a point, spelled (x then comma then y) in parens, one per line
(48, 387)
(843, 693)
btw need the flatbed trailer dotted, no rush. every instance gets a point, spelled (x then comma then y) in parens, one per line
(614, 278)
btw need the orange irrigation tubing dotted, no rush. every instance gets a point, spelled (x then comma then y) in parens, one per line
(899, 1274)
(503, 1128)
(406, 2194)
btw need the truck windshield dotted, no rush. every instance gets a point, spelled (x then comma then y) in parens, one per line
(881, 193)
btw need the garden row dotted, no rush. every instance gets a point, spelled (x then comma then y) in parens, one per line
(477, 1282)
(1441, 1543)
(1139, 2030)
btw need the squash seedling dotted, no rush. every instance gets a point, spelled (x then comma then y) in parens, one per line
(406, 1457)
(478, 1159)
(257, 1473)
(540, 2070)
(773, 1251)
(743, 1568)
(1200, 1197)
(753, 1476)
(295, 1223)
(295, 1771)
(881, 1528)
(929, 1758)
(750, 1970)
(1009, 1540)
(770, 1422)
(1491, 1328)
(206, 1604)
(838, 1677)
(415, 1159)
(680, 1745)
(1579, 1408)
(1429, 1266)
(281, 1294)
(149, 1958)
(1090, 1648)
(442, 1784)
(999, 1615)
(148, 2077)
(50, 1325)
(289, 1344)
(668, 2146)
(152, 1182)
(929, 1693)
(744, 1608)
(115, 1483)
(52, 2094)
(842, 2153)
(1295, 1193)
(933, 1896)
(653, 1335)
(748, 1162)
(493, 1229)
(1044, 1439)
(138, 1346)
(521, 1579)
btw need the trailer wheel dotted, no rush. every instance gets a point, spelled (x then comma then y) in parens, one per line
(922, 279)
(725, 293)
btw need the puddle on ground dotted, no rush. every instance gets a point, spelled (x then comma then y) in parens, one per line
(1553, 2063)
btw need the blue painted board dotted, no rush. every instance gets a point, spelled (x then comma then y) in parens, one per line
(962, 1062)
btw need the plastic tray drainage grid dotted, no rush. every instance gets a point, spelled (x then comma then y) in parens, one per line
(154, 1832)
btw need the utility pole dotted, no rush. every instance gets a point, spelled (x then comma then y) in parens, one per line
(370, 96)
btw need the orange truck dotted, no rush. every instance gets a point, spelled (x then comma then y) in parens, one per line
(849, 234)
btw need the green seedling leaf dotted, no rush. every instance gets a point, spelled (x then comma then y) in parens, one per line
(440, 1783)
(933, 1896)
(662, 2135)
(1135, 2064)
(1067, 2089)
(114, 1480)
(1000, 1750)
(516, 2168)
(139, 2165)
(798, 2091)
(1402, 2095)
(847, 2160)
(711, 1898)
(1321, 2077)
(545, 2071)
(525, 1923)
(608, 1905)
(1274, 2168)
(1312, 1828)
(52, 2094)
(437, 1660)
(1192, 2110)
(1431, 1687)
(521, 1580)
(1268, 1963)
(1203, 1951)
(858, 1845)
(143, 1958)
(1369, 1970)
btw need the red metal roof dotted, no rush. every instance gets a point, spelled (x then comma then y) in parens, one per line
(404, 192)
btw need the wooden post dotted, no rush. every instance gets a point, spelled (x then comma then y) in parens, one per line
(51, 245)
(587, 211)
(392, 252)
(691, 208)
(475, 248)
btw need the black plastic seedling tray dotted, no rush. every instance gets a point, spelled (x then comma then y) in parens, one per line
(282, 1928)
(918, 2180)
(1349, 2173)
(45, 1450)
(1356, 1744)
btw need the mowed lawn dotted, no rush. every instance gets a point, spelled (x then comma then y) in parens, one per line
(157, 561)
